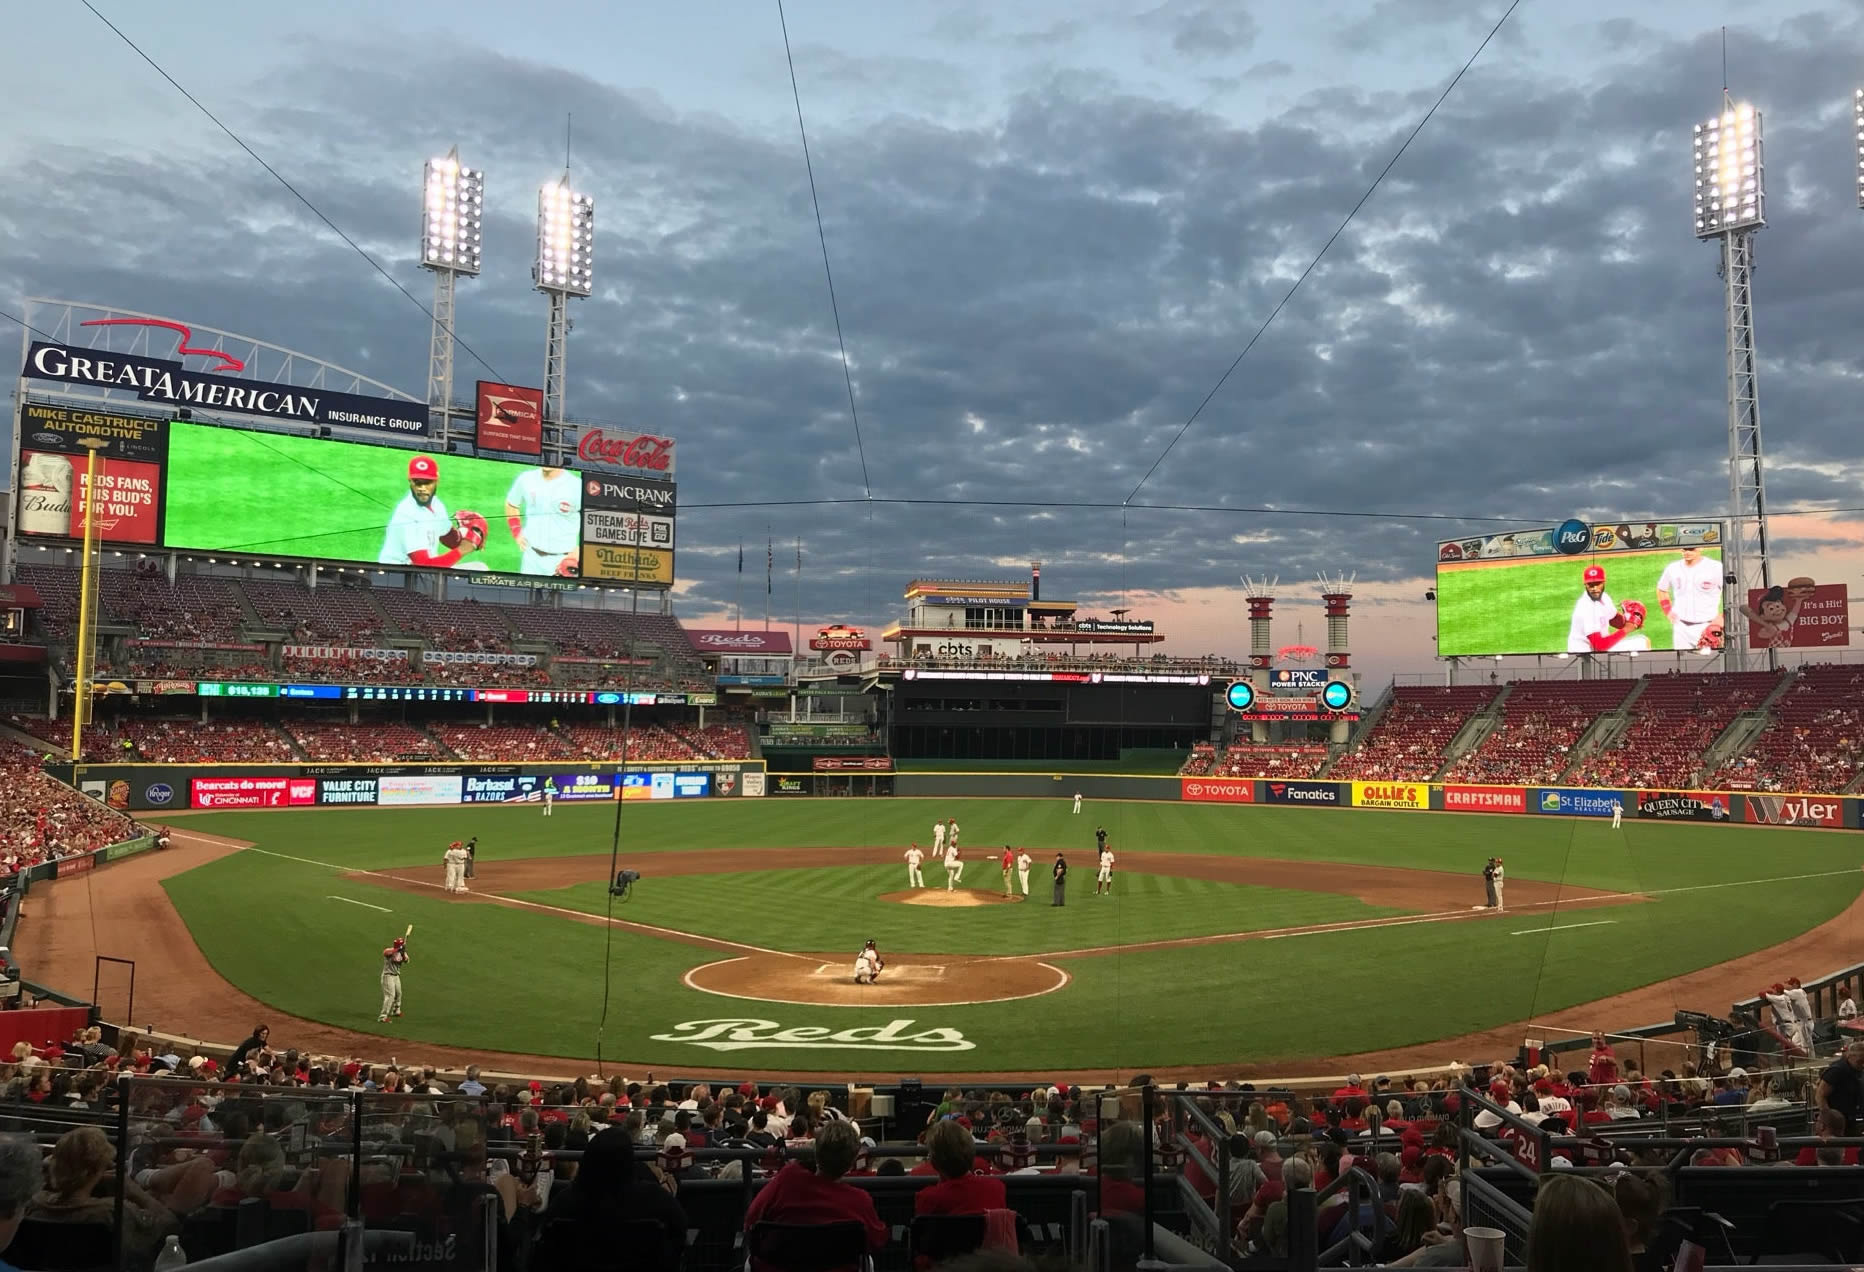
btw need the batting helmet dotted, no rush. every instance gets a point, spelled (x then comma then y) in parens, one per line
(1635, 613)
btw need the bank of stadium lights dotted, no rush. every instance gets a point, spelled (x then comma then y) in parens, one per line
(565, 240)
(452, 216)
(1730, 172)
(1857, 111)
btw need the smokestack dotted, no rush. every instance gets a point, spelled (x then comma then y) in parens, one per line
(1035, 580)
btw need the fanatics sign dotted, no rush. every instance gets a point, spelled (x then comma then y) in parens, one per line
(166, 381)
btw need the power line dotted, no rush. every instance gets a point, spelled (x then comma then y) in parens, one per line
(295, 192)
(1324, 247)
(847, 376)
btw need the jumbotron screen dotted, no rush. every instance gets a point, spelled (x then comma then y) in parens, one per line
(1608, 588)
(270, 494)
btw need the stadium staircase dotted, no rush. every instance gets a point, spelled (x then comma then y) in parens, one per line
(1470, 736)
(1745, 730)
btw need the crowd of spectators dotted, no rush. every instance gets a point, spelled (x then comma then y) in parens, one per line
(179, 741)
(42, 819)
(1410, 740)
(368, 742)
(1542, 721)
(1673, 724)
(1815, 740)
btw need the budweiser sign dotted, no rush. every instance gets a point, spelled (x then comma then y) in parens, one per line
(611, 448)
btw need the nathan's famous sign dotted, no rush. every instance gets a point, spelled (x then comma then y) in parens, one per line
(165, 380)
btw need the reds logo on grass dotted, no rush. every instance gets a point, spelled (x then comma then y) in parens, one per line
(747, 1034)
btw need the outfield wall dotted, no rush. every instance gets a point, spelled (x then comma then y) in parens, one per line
(1736, 807)
(147, 788)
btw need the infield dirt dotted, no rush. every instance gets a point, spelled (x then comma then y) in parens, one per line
(122, 912)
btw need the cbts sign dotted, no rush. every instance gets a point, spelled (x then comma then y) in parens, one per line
(618, 448)
(168, 382)
(1303, 793)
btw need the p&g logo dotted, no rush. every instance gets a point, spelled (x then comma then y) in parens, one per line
(1573, 537)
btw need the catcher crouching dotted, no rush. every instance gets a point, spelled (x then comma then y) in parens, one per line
(868, 965)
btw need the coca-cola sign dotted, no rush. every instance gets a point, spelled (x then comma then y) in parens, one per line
(616, 448)
(717, 641)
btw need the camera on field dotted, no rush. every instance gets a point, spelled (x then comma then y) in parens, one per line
(624, 880)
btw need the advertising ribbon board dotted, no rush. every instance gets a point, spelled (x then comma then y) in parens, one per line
(510, 418)
(1804, 615)
(1484, 799)
(56, 430)
(647, 567)
(1391, 795)
(1564, 802)
(1303, 793)
(1217, 790)
(1793, 810)
(852, 763)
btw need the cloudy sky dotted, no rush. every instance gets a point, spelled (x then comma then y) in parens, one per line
(1052, 226)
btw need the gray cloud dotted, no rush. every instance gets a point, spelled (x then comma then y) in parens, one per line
(1517, 325)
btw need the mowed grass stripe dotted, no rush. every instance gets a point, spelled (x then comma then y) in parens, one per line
(831, 910)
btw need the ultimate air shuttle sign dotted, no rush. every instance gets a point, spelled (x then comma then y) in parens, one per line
(167, 382)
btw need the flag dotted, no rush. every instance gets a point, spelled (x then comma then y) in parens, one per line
(770, 563)
(741, 558)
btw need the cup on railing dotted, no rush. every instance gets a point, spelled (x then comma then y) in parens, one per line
(1485, 1248)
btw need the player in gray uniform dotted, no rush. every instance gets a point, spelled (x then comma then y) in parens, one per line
(393, 958)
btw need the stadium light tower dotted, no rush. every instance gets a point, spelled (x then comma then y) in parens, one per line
(452, 214)
(565, 261)
(1730, 205)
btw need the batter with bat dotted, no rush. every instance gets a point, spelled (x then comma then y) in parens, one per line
(421, 532)
(393, 959)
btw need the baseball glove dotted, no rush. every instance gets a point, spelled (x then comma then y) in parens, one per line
(1712, 636)
(568, 567)
(472, 528)
(1635, 614)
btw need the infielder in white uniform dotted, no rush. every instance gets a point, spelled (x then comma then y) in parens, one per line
(1599, 623)
(1689, 592)
(1077, 801)
(914, 879)
(1618, 814)
(455, 859)
(938, 840)
(1499, 906)
(954, 867)
(543, 511)
(1023, 862)
(1103, 881)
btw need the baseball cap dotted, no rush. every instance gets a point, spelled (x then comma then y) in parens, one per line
(1595, 574)
(423, 468)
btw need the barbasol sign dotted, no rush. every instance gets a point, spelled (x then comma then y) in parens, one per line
(1571, 803)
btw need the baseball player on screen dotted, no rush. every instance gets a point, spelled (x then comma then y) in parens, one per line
(420, 532)
(1599, 623)
(543, 510)
(1689, 592)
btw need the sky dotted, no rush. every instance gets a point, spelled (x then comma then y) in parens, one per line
(1052, 227)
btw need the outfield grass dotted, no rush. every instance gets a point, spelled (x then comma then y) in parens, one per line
(1526, 606)
(531, 982)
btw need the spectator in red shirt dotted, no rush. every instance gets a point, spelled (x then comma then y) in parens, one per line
(1831, 1125)
(803, 1196)
(953, 1154)
(1602, 1070)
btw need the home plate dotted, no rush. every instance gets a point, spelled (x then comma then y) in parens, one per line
(907, 973)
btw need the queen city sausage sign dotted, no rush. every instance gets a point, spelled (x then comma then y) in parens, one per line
(749, 1034)
(167, 381)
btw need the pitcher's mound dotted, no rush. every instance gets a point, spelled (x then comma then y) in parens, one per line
(959, 897)
(910, 980)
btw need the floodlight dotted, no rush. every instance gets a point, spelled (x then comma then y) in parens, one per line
(1729, 173)
(565, 240)
(452, 215)
(1858, 117)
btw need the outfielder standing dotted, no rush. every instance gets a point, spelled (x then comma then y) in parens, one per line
(1689, 592)
(1103, 882)
(1023, 862)
(914, 879)
(550, 794)
(1618, 814)
(543, 510)
(1077, 801)
(392, 960)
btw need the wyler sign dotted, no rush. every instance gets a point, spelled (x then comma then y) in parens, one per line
(1391, 795)
(168, 382)
(1793, 810)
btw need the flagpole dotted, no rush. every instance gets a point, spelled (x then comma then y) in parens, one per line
(770, 569)
(796, 639)
(738, 623)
